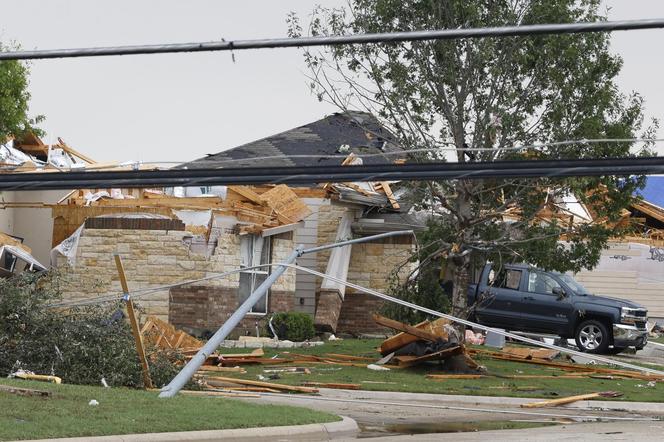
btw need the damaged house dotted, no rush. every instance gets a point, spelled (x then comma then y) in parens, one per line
(170, 236)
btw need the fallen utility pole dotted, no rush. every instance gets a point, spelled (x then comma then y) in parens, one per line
(336, 40)
(213, 343)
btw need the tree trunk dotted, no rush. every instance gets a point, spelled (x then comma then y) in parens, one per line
(460, 295)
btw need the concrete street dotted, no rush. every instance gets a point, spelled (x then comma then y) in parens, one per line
(401, 414)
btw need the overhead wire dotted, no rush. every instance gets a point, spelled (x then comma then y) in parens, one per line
(333, 173)
(335, 40)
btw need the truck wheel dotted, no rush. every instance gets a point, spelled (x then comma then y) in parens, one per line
(592, 337)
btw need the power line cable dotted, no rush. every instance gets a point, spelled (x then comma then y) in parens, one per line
(322, 174)
(335, 40)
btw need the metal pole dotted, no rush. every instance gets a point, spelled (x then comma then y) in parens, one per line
(188, 371)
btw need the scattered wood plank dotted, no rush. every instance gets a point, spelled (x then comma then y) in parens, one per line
(162, 334)
(269, 385)
(226, 369)
(400, 326)
(332, 385)
(20, 391)
(570, 399)
(349, 357)
(528, 353)
(455, 376)
(254, 354)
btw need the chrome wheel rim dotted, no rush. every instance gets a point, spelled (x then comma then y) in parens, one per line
(591, 337)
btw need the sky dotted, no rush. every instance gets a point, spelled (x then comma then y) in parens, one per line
(178, 107)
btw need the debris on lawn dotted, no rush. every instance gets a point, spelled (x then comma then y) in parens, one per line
(24, 391)
(571, 399)
(332, 385)
(163, 335)
(425, 342)
(28, 375)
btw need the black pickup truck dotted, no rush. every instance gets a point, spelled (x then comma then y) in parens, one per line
(523, 298)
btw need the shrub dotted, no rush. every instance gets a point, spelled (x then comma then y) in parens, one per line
(79, 344)
(293, 326)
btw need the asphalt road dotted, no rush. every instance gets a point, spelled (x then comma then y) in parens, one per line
(393, 414)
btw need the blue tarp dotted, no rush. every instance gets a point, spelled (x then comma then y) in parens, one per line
(653, 192)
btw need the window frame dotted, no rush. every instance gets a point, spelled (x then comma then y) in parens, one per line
(249, 261)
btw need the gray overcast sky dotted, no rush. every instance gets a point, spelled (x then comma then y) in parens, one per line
(178, 107)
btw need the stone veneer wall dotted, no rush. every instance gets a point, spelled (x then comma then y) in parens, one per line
(371, 265)
(160, 257)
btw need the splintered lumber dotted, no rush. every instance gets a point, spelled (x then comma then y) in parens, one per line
(267, 385)
(332, 385)
(582, 369)
(232, 362)
(390, 196)
(454, 376)
(527, 353)
(225, 369)
(24, 391)
(570, 399)
(248, 193)
(400, 326)
(162, 334)
(401, 339)
(348, 357)
(254, 354)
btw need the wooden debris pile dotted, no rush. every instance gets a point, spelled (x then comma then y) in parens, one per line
(423, 342)
(162, 334)
(545, 357)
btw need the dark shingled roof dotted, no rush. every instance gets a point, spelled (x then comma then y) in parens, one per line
(360, 131)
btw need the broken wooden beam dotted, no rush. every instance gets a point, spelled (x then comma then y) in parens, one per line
(334, 385)
(400, 326)
(268, 385)
(570, 399)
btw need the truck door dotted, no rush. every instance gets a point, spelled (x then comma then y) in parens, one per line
(503, 290)
(541, 309)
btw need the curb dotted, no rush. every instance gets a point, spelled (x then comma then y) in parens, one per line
(637, 407)
(346, 428)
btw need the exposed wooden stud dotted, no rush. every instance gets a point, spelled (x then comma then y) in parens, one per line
(135, 330)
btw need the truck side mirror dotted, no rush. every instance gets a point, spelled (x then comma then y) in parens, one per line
(559, 292)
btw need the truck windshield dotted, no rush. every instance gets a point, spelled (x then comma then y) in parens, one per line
(578, 288)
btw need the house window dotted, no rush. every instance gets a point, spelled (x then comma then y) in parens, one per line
(254, 250)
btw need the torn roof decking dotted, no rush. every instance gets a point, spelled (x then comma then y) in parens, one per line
(360, 132)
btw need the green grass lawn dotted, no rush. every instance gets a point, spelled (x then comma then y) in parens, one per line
(660, 339)
(66, 412)
(413, 379)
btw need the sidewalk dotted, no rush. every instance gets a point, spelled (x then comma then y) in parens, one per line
(346, 428)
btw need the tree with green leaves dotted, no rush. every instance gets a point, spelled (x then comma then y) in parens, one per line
(14, 99)
(470, 100)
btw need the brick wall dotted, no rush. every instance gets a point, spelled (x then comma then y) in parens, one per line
(161, 257)
(356, 314)
(202, 309)
(371, 265)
